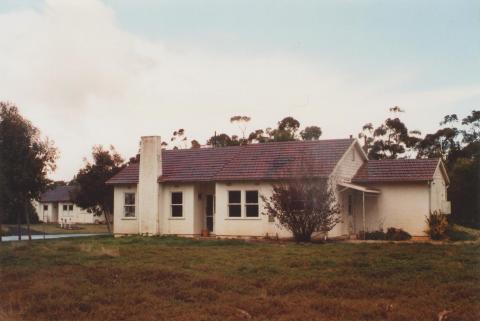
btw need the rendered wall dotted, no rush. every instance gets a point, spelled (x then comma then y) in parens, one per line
(400, 205)
(122, 224)
(178, 225)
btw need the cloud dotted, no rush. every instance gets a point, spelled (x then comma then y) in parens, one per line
(84, 80)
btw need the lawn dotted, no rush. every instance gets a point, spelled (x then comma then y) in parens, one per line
(51, 228)
(167, 278)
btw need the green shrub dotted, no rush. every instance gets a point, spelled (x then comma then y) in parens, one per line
(437, 226)
(397, 234)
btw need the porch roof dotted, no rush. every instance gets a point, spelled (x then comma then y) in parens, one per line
(359, 188)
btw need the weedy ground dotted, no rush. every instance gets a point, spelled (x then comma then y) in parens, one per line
(168, 278)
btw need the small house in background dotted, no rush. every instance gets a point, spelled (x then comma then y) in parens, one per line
(57, 206)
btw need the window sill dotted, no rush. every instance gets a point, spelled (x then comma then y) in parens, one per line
(243, 219)
(176, 218)
(129, 218)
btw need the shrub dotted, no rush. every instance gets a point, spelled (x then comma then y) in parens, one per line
(397, 234)
(460, 233)
(437, 226)
(374, 235)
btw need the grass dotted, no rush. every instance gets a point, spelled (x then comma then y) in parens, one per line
(52, 228)
(167, 278)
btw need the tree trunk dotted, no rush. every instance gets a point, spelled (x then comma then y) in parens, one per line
(107, 220)
(19, 227)
(27, 218)
(1, 220)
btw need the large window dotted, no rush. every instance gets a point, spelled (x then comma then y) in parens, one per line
(129, 205)
(177, 204)
(251, 203)
(234, 204)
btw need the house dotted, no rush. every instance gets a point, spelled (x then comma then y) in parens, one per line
(57, 206)
(183, 192)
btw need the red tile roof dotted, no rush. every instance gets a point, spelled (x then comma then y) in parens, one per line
(271, 161)
(396, 170)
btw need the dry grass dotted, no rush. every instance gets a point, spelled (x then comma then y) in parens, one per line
(181, 279)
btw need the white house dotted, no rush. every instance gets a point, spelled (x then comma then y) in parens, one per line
(57, 206)
(183, 192)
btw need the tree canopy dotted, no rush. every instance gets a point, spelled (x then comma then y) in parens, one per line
(25, 161)
(93, 194)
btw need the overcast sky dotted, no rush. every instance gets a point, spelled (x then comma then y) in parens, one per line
(106, 72)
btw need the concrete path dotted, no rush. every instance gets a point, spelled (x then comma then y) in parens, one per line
(47, 237)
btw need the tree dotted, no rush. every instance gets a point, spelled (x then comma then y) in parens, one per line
(390, 140)
(304, 205)
(223, 140)
(242, 122)
(195, 144)
(458, 144)
(25, 161)
(179, 139)
(311, 133)
(93, 194)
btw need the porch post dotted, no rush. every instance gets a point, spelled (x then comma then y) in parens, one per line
(363, 213)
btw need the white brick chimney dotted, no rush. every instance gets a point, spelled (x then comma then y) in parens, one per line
(148, 187)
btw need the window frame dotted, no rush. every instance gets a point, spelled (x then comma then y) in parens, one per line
(45, 207)
(178, 205)
(257, 204)
(229, 204)
(70, 207)
(65, 208)
(125, 205)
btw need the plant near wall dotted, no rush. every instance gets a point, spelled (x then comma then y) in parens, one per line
(304, 206)
(437, 226)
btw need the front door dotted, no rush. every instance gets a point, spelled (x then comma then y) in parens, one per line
(209, 211)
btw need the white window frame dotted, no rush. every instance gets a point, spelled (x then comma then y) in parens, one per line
(176, 204)
(257, 203)
(125, 205)
(234, 204)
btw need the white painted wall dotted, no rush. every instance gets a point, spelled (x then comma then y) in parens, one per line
(122, 224)
(244, 226)
(176, 225)
(439, 192)
(400, 205)
(57, 214)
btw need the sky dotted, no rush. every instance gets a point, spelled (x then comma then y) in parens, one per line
(107, 72)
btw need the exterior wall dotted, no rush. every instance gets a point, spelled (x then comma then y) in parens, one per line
(349, 164)
(48, 216)
(178, 225)
(344, 172)
(122, 224)
(77, 215)
(400, 205)
(243, 226)
(438, 189)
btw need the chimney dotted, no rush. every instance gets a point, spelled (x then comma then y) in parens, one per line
(148, 187)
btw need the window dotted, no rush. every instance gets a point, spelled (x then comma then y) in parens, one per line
(234, 204)
(45, 207)
(177, 204)
(65, 207)
(129, 205)
(251, 203)
(70, 207)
